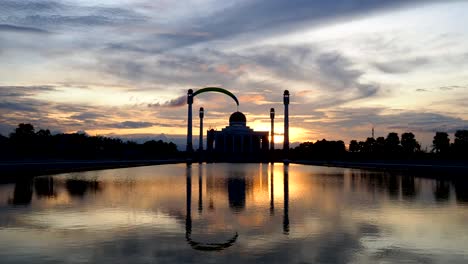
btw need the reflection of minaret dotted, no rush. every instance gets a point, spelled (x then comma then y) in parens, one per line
(286, 123)
(188, 217)
(286, 201)
(272, 196)
(272, 117)
(200, 145)
(200, 189)
(189, 120)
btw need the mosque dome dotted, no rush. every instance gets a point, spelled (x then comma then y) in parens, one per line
(237, 118)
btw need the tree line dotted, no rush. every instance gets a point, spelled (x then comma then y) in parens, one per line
(27, 143)
(391, 147)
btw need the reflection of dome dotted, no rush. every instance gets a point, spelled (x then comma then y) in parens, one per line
(237, 118)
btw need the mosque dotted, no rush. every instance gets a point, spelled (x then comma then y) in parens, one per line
(237, 138)
(237, 141)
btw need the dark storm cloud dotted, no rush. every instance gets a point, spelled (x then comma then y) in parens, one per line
(19, 29)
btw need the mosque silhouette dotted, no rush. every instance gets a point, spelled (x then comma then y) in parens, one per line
(236, 142)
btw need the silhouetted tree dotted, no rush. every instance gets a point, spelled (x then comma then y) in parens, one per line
(361, 146)
(322, 149)
(460, 144)
(369, 145)
(3, 143)
(23, 131)
(43, 133)
(409, 143)
(441, 142)
(353, 146)
(159, 148)
(392, 143)
(379, 145)
(24, 142)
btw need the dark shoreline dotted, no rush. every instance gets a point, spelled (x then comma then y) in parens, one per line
(11, 171)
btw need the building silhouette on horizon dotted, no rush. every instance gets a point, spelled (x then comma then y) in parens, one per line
(237, 141)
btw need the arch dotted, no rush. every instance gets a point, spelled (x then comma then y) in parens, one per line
(219, 90)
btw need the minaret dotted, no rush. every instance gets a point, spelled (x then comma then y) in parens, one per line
(272, 117)
(286, 122)
(372, 132)
(189, 121)
(200, 145)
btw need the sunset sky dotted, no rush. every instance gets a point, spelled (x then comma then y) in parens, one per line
(122, 68)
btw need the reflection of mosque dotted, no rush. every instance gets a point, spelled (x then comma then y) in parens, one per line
(237, 139)
(237, 188)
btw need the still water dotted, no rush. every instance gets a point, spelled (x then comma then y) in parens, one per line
(233, 213)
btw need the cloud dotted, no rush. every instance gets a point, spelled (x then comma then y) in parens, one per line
(277, 16)
(452, 87)
(332, 74)
(19, 29)
(239, 20)
(23, 91)
(176, 102)
(15, 106)
(87, 116)
(401, 66)
(54, 14)
(130, 124)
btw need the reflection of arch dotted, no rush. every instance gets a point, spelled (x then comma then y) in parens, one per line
(188, 223)
(211, 246)
(219, 90)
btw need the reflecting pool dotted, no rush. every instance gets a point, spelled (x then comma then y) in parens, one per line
(234, 213)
